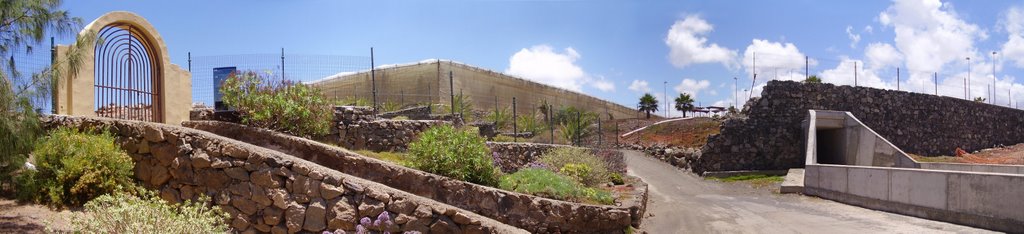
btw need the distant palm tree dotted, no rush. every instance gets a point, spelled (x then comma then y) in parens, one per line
(648, 104)
(684, 103)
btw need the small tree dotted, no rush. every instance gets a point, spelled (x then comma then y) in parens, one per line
(648, 104)
(813, 79)
(24, 24)
(684, 103)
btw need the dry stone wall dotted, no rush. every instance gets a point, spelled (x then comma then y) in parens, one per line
(535, 214)
(771, 137)
(383, 135)
(267, 191)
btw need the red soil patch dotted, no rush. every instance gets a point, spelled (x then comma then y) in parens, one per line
(690, 133)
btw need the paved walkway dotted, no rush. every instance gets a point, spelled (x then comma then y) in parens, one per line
(681, 202)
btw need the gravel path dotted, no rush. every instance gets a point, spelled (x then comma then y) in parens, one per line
(681, 202)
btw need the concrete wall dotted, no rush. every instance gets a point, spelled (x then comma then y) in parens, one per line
(535, 214)
(74, 94)
(770, 138)
(429, 79)
(864, 172)
(836, 137)
(1008, 169)
(985, 200)
(267, 191)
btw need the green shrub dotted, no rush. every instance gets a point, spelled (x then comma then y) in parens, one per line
(74, 167)
(463, 107)
(576, 171)
(458, 154)
(545, 183)
(147, 213)
(285, 106)
(19, 130)
(529, 123)
(617, 179)
(390, 106)
(558, 158)
(574, 123)
(500, 117)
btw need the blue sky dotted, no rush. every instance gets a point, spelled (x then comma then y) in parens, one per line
(610, 49)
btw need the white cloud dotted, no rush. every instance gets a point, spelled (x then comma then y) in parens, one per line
(843, 74)
(854, 38)
(602, 84)
(692, 87)
(687, 42)
(775, 60)
(881, 55)
(640, 86)
(930, 33)
(1013, 22)
(543, 64)
(868, 29)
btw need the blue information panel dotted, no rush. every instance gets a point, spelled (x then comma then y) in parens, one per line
(219, 75)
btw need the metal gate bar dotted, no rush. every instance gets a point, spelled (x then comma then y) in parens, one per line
(127, 76)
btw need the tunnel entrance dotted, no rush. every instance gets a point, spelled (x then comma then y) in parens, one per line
(831, 146)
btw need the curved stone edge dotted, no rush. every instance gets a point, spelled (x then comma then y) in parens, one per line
(535, 214)
(268, 191)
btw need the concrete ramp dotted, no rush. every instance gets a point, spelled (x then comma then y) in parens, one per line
(850, 163)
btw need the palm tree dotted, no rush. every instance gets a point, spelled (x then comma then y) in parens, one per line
(648, 104)
(684, 103)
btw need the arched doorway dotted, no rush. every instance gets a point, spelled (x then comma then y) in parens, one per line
(127, 74)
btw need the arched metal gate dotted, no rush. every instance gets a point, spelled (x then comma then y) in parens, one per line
(127, 75)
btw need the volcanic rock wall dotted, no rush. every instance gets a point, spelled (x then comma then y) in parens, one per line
(771, 137)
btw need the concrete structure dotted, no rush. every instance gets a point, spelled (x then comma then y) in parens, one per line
(75, 95)
(848, 162)
(427, 82)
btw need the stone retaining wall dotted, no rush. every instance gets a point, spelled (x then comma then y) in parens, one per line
(513, 156)
(532, 213)
(383, 135)
(267, 191)
(771, 137)
(679, 157)
(417, 113)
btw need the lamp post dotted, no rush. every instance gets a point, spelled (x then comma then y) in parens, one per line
(735, 85)
(968, 85)
(994, 78)
(665, 92)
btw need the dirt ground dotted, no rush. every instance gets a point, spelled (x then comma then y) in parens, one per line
(32, 218)
(1013, 154)
(691, 133)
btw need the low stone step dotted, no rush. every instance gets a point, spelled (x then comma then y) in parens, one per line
(794, 182)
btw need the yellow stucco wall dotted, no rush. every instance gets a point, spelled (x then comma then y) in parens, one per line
(430, 78)
(75, 94)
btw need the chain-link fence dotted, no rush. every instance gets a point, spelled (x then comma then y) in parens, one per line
(30, 75)
(293, 67)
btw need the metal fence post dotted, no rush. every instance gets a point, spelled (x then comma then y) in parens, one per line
(53, 87)
(600, 135)
(373, 81)
(579, 127)
(189, 61)
(282, 63)
(451, 86)
(551, 123)
(515, 127)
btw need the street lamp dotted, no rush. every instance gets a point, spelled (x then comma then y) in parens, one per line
(968, 85)
(665, 92)
(994, 78)
(735, 85)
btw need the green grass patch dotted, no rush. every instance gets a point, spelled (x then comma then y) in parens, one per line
(545, 183)
(757, 180)
(393, 157)
(937, 159)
